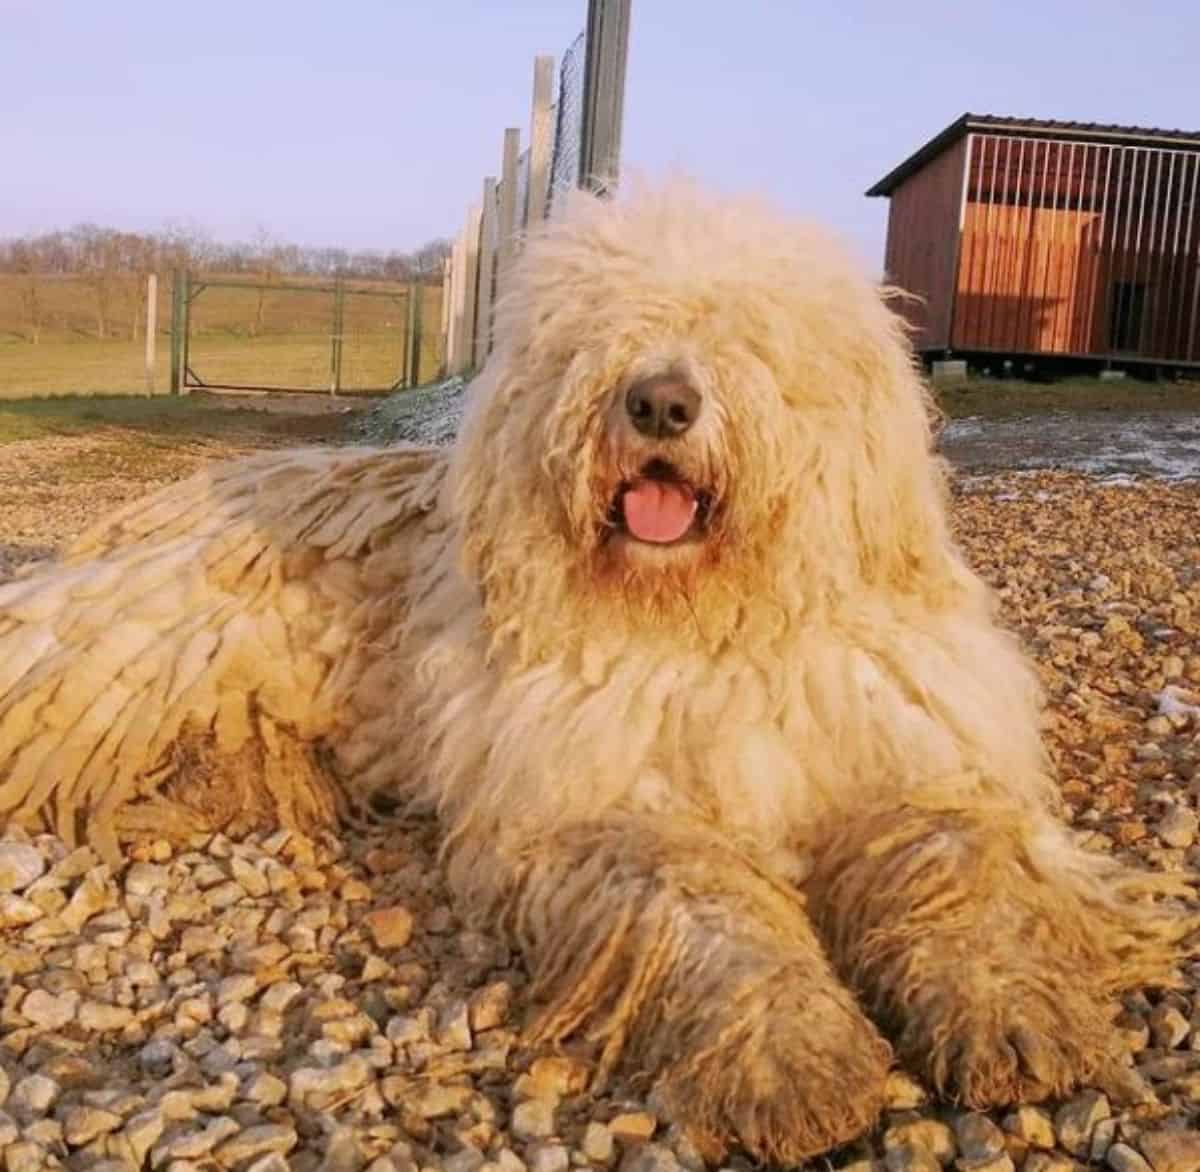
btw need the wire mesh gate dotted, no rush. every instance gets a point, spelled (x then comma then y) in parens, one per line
(231, 335)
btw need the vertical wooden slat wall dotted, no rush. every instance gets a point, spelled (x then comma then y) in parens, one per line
(921, 240)
(1068, 247)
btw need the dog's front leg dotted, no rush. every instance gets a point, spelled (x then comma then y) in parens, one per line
(986, 943)
(687, 963)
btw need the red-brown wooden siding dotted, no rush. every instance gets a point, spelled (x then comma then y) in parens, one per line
(921, 243)
(1063, 241)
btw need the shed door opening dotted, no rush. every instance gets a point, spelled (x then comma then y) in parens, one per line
(1125, 327)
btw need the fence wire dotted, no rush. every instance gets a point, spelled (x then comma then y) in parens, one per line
(568, 123)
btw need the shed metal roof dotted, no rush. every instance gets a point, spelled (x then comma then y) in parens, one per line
(1036, 128)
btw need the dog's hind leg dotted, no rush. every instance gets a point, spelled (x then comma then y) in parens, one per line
(688, 964)
(988, 944)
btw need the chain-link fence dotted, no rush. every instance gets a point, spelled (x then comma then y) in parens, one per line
(574, 141)
(568, 121)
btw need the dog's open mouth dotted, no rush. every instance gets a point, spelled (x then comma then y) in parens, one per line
(659, 506)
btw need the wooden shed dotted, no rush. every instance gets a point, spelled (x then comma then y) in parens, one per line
(1034, 239)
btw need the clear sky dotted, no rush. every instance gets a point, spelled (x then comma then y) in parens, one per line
(369, 123)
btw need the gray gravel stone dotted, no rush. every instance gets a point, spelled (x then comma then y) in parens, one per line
(597, 1144)
(20, 865)
(83, 1124)
(32, 1096)
(1171, 1151)
(910, 1157)
(649, 1157)
(547, 1157)
(1001, 1162)
(1178, 827)
(978, 1137)
(27, 1156)
(257, 1141)
(1075, 1120)
(144, 879)
(1049, 1162)
(1032, 1125)
(18, 912)
(1168, 1026)
(141, 1132)
(468, 1159)
(1122, 1158)
(48, 1011)
(533, 1119)
(930, 1135)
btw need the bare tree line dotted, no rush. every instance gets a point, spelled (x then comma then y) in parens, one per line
(113, 266)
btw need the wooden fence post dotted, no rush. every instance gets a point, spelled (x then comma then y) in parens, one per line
(487, 272)
(444, 368)
(454, 312)
(603, 94)
(470, 288)
(541, 134)
(151, 328)
(507, 226)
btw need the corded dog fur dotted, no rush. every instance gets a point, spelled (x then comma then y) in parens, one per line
(718, 723)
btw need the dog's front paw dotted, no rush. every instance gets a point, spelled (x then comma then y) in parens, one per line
(784, 1076)
(992, 1046)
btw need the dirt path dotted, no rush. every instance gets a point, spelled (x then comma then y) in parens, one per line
(73, 462)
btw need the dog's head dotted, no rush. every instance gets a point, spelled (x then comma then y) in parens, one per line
(696, 412)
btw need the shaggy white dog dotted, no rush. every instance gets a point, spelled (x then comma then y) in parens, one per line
(717, 719)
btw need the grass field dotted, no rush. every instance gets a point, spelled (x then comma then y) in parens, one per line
(272, 338)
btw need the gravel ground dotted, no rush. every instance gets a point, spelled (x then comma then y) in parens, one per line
(429, 415)
(280, 1004)
(1163, 443)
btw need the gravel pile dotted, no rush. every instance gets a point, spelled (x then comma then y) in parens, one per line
(429, 415)
(281, 1004)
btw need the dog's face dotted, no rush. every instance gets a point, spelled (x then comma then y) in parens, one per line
(690, 397)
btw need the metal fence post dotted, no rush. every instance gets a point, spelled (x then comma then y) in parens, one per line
(603, 94)
(179, 325)
(335, 360)
(416, 292)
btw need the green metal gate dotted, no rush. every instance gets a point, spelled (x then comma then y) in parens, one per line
(330, 338)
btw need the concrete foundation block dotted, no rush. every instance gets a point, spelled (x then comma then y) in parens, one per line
(949, 369)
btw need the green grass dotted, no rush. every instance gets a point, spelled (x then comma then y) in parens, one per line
(1006, 397)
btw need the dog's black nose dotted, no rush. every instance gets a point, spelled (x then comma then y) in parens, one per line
(662, 407)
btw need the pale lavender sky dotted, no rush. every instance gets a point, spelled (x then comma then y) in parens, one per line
(369, 123)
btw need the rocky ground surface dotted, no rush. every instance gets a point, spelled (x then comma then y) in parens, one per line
(427, 415)
(281, 1004)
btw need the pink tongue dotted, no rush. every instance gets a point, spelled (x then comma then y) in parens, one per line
(657, 511)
